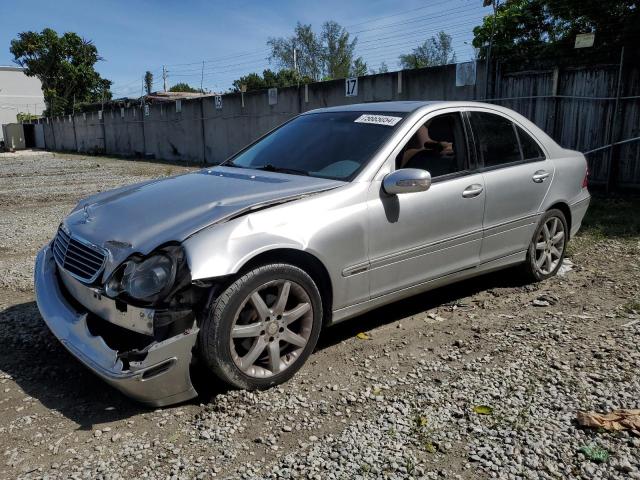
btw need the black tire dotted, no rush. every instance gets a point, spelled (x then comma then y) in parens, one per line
(530, 270)
(215, 342)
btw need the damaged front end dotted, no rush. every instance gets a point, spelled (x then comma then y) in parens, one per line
(140, 345)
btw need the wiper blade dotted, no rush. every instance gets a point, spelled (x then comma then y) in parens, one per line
(231, 164)
(272, 168)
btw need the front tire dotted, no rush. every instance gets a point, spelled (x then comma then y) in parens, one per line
(547, 248)
(262, 328)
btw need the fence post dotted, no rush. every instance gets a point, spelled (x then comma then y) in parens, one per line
(75, 136)
(614, 157)
(204, 136)
(556, 104)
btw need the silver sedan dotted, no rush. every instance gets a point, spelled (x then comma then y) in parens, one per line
(332, 214)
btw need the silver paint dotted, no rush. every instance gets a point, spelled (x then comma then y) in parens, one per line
(376, 247)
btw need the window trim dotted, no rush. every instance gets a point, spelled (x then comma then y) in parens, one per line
(480, 160)
(535, 159)
(468, 147)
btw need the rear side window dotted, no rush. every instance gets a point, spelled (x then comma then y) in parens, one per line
(496, 139)
(530, 148)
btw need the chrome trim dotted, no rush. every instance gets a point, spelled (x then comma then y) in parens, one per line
(355, 269)
(345, 313)
(83, 259)
(425, 249)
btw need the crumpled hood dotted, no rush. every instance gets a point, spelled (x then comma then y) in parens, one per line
(138, 218)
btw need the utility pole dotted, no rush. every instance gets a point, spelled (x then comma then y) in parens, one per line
(486, 3)
(202, 77)
(164, 78)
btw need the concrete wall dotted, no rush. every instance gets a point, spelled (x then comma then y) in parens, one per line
(13, 135)
(574, 105)
(39, 134)
(18, 93)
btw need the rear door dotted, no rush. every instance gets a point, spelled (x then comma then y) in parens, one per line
(516, 175)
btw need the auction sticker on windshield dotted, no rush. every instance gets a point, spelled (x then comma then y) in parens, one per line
(378, 119)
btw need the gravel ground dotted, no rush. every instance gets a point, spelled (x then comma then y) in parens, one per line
(478, 380)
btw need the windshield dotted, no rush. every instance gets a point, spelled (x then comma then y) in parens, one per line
(333, 145)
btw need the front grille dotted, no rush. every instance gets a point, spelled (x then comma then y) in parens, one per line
(83, 261)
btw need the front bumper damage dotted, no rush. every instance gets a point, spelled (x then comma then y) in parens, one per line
(160, 378)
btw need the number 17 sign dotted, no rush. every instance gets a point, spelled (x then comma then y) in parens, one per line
(351, 87)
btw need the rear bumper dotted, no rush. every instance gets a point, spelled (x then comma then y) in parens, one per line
(162, 378)
(578, 211)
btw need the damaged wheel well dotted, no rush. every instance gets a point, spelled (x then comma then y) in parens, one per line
(307, 262)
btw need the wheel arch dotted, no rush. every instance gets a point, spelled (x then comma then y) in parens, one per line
(305, 261)
(564, 208)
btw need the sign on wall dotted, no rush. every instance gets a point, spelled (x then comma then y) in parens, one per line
(351, 87)
(273, 96)
(178, 106)
(146, 110)
(584, 40)
(99, 114)
(465, 74)
(121, 112)
(218, 102)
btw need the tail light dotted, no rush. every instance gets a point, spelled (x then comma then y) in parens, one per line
(585, 180)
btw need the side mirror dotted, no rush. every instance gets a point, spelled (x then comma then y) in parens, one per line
(406, 180)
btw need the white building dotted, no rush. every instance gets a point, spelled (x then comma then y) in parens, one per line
(18, 93)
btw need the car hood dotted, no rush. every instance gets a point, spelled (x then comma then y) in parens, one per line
(138, 218)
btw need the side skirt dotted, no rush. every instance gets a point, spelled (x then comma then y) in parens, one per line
(351, 311)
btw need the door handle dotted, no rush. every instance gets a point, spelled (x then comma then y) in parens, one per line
(540, 176)
(472, 191)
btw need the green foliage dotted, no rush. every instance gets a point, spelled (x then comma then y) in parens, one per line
(148, 82)
(595, 453)
(527, 30)
(184, 87)
(436, 50)
(270, 79)
(383, 68)
(25, 117)
(65, 65)
(327, 55)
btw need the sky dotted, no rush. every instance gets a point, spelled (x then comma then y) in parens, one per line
(138, 35)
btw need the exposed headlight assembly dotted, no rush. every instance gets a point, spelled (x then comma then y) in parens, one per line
(146, 280)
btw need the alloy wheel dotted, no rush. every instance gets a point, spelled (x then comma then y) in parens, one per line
(271, 328)
(549, 245)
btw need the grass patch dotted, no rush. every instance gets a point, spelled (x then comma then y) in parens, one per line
(612, 218)
(632, 306)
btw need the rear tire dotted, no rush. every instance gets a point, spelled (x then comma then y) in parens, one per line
(547, 248)
(262, 328)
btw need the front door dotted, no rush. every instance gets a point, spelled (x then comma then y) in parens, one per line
(417, 237)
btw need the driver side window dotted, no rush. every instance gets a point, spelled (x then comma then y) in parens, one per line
(438, 146)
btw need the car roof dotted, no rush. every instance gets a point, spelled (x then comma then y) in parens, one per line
(397, 106)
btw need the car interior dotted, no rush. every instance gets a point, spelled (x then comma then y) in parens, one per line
(437, 146)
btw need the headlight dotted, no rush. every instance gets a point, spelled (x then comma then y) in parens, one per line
(146, 279)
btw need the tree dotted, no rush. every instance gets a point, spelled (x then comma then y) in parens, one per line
(359, 68)
(184, 87)
(148, 82)
(327, 55)
(529, 30)
(65, 66)
(434, 51)
(270, 79)
(338, 51)
(383, 68)
(25, 117)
